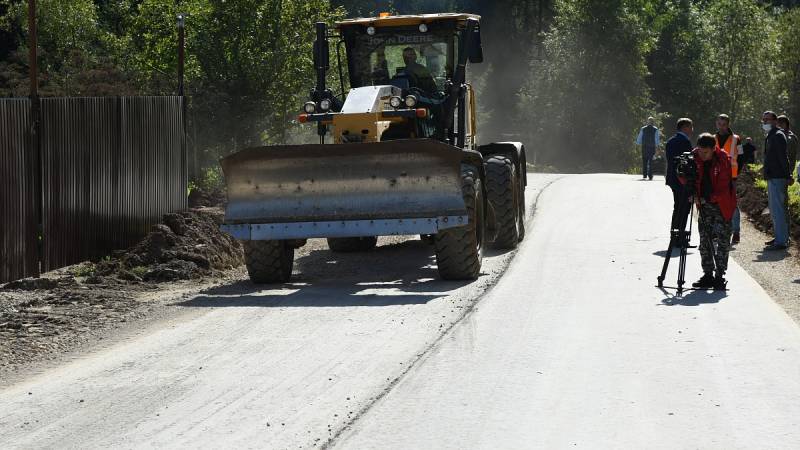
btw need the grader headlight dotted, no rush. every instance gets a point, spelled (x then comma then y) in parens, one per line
(325, 105)
(395, 102)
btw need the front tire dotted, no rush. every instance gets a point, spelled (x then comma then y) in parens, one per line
(269, 261)
(504, 194)
(459, 250)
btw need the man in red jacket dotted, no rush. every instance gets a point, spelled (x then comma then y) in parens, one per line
(716, 201)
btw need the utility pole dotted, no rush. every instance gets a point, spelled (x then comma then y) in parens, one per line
(181, 55)
(34, 169)
(32, 68)
(191, 171)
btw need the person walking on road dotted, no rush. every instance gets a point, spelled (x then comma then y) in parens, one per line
(777, 174)
(649, 138)
(716, 201)
(730, 143)
(676, 145)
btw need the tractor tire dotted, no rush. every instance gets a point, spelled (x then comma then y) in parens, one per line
(269, 261)
(459, 250)
(522, 207)
(352, 245)
(503, 193)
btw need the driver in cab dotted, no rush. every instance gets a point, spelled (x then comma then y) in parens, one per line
(419, 76)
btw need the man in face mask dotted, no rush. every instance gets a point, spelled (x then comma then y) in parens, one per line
(777, 174)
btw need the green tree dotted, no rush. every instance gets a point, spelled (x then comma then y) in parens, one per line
(588, 96)
(679, 74)
(743, 60)
(73, 56)
(788, 55)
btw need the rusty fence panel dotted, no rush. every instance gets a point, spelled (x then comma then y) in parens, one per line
(112, 166)
(18, 227)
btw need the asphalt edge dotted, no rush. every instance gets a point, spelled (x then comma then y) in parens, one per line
(420, 357)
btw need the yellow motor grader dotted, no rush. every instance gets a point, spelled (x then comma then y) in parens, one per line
(404, 158)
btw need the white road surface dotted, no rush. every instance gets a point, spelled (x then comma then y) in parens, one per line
(574, 347)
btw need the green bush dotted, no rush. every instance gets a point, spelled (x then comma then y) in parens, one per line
(86, 269)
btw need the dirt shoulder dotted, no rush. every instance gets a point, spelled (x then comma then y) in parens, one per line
(70, 308)
(777, 272)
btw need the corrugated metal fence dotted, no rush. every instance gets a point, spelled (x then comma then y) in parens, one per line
(18, 256)
(111, 167)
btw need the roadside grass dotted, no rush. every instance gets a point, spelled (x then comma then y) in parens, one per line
(139, 271)
(85, 269)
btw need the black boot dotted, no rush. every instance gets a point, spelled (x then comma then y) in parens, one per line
(707, 281)
(720, 283)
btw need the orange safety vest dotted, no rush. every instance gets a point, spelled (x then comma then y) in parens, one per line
(731, 147)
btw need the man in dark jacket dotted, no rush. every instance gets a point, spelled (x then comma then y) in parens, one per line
(678, 144)
(649, 139)
(777, 174)
(748, 156)
(716, 202)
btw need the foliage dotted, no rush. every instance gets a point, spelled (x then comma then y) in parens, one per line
(590, 93)
(788, 41)
(743, 65)
(85, 269)
(574, 79)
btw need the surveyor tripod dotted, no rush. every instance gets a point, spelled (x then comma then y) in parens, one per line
(679, 237)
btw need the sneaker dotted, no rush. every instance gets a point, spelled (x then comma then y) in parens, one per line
(775, 247)
(735, 239)
(707, 281)
(770, 242)
(720, 283)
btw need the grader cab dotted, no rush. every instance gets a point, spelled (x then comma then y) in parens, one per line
(404, 157)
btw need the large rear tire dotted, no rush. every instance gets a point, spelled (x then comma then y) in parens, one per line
(352, 245)
(503, 192)
(269, 261)
(459, 250)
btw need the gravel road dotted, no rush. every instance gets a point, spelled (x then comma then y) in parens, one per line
(241, 365)
(573, 346)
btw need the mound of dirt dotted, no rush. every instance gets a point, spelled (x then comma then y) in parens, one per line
(186, 245)
(66, 308)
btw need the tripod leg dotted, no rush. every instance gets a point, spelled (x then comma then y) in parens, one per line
(667, 257)
(682, 268)
(685, 237)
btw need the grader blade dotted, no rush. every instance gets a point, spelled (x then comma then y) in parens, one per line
(343, 190)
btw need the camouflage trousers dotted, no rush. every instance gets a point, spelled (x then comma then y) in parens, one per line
(715, 238)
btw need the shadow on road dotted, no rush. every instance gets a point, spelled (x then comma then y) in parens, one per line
(771, 256)
(695, 298)
(676, 252)
(398, 274)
